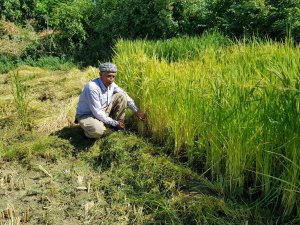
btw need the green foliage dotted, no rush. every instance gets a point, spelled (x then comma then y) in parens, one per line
(284, 19)
(19, 45)
(17, 10)
(49, 62)
(87, 29)
(110, 20)
(44, 10)
(139, 18)
(70, 19)
(68, 22)
(194, 46)
(6, 63)
(260, 17)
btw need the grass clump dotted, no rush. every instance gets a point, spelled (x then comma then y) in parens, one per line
(161, 191)
(32, 145)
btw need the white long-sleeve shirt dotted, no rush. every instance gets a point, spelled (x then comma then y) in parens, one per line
(95, 96)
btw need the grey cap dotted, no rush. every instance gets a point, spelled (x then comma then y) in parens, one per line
(108, 67)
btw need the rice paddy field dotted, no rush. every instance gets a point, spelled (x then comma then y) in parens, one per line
(220, 144)
(229, 109)
(50, 173)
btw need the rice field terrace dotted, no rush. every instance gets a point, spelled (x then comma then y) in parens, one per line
(220, 144)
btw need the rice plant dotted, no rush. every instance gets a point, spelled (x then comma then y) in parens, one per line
(20, 93)
(234, 105)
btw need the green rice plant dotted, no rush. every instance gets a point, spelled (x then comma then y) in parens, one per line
(20, 93)
(236, 106)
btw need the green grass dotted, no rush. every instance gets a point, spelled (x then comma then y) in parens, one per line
(232, 109)
(50, 63)
(164, 191)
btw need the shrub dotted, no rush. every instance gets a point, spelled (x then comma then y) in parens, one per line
(17, 10)
(6, 63)
(50, 62)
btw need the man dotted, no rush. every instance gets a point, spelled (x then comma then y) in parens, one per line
(103, 103)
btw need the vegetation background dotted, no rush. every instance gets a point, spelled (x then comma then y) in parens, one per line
(85, 30)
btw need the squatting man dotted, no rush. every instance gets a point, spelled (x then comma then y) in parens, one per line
(102, 103)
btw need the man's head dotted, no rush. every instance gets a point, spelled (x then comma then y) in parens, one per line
(108, 73)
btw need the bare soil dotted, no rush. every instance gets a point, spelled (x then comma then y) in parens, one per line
(48, 193)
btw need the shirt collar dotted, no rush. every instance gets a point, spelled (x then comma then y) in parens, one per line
(102, 86)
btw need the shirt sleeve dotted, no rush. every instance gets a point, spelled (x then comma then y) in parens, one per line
(95, 106)
(130, 101)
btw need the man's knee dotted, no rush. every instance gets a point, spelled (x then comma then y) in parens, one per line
(95, 132)
(92, 127)
(120, 97)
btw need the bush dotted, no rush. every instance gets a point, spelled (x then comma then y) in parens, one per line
(17, 10)
(87, 30)
(260, 17)
(71, 20)
(6, 63)
(50, 63)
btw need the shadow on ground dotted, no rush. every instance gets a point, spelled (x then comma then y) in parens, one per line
(76, 137)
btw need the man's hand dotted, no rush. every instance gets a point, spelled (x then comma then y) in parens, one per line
(141, 116)
(120, 125)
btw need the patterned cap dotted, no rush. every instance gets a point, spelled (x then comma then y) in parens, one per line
(108, 67)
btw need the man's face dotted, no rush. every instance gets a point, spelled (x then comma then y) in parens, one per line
(107, 78)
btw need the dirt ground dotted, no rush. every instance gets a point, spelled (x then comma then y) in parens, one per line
(48, 193)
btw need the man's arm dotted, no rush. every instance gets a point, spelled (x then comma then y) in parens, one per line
(95, 106)
(131, 104)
